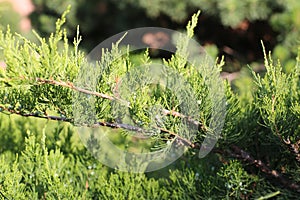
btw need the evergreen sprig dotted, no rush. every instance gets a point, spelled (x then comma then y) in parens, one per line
(40, 81)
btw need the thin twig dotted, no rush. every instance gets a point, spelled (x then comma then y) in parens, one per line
(184, 140)
(71, 86)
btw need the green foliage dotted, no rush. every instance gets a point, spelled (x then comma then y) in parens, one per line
(277, 99)
(43, 159)
(237, 181)
(11, 178)
(287, 25)
(27, 61)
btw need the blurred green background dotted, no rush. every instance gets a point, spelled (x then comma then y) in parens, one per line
(231, 28)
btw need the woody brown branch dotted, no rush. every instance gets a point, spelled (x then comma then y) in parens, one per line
(106, 124)
(293, 148)
(246, 157)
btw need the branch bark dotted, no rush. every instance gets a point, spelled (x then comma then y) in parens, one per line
(106, 124)
(238, 153)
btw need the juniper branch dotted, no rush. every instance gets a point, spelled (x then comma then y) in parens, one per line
(106, 124)
(105, 96)
(246, 157)
(3, 196)
(293, 148)
(71, 86)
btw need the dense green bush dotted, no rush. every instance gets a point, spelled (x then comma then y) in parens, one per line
(257, 155)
